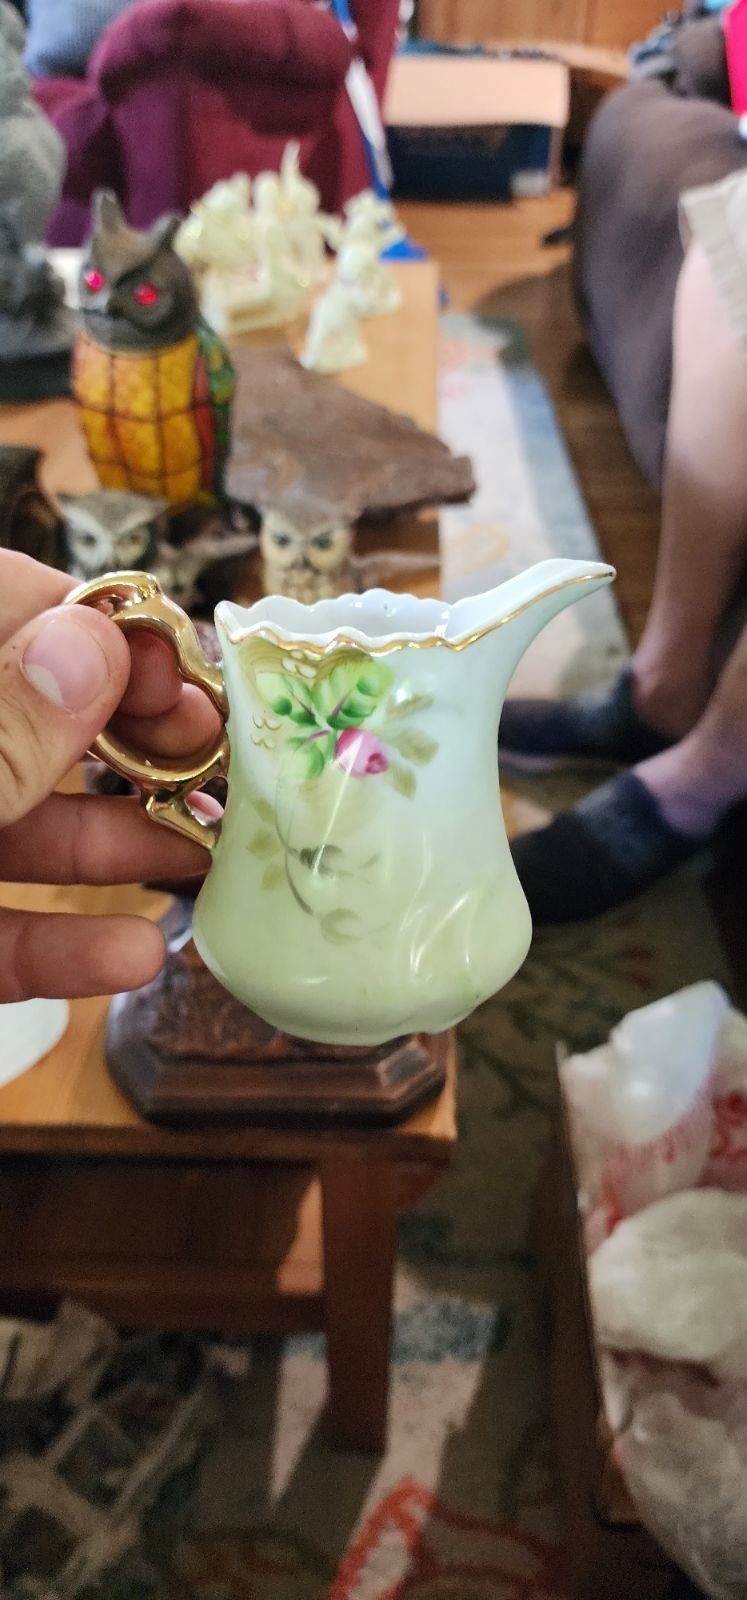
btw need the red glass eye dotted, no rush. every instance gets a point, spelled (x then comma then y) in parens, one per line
(94, 280)
(147, 294)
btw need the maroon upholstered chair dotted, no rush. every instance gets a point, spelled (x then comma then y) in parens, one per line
(181, 93)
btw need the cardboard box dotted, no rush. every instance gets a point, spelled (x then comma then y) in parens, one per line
(475, 127)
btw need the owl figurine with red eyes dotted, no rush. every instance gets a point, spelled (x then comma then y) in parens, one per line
(154, 384)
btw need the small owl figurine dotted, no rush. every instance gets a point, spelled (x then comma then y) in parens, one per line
(109, 532)
(304, 556)
(113, 529)
(153, 383)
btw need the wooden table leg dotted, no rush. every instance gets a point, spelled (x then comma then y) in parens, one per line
(360, 1227)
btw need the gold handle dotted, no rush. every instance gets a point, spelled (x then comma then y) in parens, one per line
(137, 602)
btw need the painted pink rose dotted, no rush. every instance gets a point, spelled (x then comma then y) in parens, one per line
(360, 754)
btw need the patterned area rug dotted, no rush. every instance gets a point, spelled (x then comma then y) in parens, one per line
(463, 1505)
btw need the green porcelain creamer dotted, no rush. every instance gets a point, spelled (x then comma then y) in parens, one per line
(361, 884)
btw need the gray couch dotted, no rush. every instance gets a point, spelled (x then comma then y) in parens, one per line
(647, 143)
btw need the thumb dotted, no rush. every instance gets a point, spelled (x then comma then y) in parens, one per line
(61, 679)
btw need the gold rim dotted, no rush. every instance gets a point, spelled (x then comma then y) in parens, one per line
(430, 641)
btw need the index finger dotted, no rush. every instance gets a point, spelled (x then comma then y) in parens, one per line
(26, 588)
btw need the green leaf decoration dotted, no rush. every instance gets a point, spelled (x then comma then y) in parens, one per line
(375, 679)
(414, 746)
(323, 859)
(401, 779)
(309, 757)
(273, 876)
(288, 697)
(304, 718)
(351, 692)
(264, 844)
(276, 691)
(262, 807)
(401, 704)
(353, 711)
(339, 926)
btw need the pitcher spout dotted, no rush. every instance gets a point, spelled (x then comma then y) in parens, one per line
(520, 608)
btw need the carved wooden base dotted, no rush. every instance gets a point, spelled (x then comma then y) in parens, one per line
(183, 1049)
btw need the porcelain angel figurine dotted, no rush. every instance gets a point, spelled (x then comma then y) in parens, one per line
(333, 342)
(371, 285)
(290, 199)
(269, 296)
(370, 228)
(220, 231)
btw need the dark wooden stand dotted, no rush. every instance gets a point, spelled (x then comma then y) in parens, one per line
(183, 1049)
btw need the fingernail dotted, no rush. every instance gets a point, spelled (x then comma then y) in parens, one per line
(66, 665)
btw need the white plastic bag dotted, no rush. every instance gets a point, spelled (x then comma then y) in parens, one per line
(727, 1162)
(640, 1105)
(683, 1451)
(671, 1282)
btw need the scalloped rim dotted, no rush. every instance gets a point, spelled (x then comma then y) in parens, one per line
(323, 644)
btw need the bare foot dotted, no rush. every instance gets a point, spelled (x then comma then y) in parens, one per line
(699, 779)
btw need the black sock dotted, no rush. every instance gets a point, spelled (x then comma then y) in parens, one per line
(610, 847)
(604, 724)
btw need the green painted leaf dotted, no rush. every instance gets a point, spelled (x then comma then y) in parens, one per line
(325, 860)
(273, 876)
(264, 844)
(308, 757)
(275, 692)
(262, 807)
(339, 926)
(350, 693)
(287, 697)
(375, 679)
(353, 711)
(415, 746)
(401, 779)
(401, 704)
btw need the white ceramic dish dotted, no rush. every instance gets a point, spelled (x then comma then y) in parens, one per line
(29, 1029)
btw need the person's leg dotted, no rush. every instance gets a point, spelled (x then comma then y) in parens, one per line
(637, 828)
(703, 776)
(702, 551)
(703, 545)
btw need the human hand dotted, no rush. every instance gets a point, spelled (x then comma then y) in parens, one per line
(64, 672)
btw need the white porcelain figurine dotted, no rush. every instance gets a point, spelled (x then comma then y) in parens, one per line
(333, 342)
(220, 231)
(370, 227)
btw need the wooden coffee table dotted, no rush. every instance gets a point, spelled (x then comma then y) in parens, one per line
(231, 1229)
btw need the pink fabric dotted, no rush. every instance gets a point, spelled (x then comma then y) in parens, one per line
(735, 32)
(181, 93)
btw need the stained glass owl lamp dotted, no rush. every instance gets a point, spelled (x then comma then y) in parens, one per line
(153, 383)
